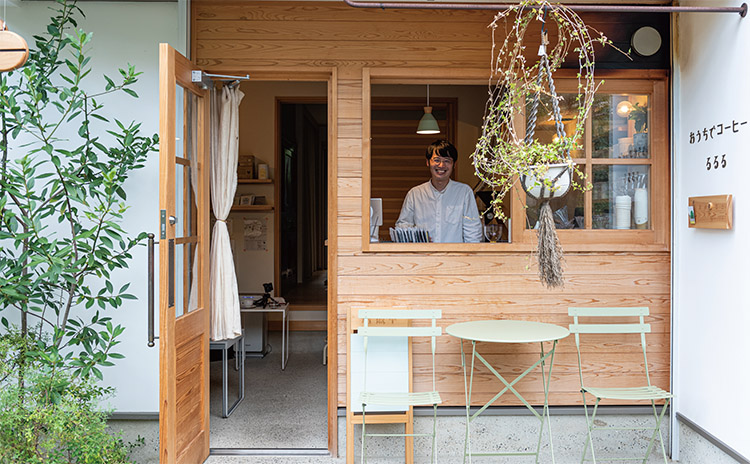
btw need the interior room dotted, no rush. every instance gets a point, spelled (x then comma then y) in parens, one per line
(278, 227)
(398, 151)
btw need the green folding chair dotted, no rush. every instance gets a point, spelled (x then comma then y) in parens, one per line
(407, 399)
(602, 324)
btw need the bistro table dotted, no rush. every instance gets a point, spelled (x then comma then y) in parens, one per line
(507, 331)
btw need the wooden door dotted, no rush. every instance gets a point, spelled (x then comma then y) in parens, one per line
(183, 262)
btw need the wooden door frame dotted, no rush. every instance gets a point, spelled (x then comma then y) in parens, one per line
(329, 75)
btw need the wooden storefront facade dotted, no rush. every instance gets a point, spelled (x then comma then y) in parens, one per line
(353, 49)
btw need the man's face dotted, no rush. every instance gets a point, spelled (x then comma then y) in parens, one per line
(440, 168)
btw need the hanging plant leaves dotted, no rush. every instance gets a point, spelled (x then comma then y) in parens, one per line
(503, 153)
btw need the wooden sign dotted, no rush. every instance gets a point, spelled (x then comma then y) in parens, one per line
(711, 212)
(13, 49)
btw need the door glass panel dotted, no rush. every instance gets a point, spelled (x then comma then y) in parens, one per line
(621, 196)
(186, 299)
(179, 200)
(179, 123)
(179, 279)
(185, 152)
(620, 126)
(191, 298)
(568, 211)
(545, 131)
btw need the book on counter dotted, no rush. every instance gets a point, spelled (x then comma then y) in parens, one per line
(409, 235)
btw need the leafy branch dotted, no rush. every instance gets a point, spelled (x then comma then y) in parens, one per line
(62, 200)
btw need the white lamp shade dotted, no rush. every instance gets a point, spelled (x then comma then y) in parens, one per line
(428, 124)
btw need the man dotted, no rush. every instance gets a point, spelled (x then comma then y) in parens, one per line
(444, 207)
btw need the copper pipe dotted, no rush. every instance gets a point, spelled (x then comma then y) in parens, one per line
(742, 10)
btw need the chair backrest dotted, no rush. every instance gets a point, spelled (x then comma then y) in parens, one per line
(409, 330)
(599, 321)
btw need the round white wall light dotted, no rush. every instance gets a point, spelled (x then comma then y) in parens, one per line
(646, 41)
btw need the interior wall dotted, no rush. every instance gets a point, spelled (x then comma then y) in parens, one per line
(115, 44)
(471, 100)
(258, 138)
(711, 309)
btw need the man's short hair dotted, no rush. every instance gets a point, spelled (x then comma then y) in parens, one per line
(443, 148)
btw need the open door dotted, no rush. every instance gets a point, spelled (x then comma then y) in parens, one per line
(183, 262)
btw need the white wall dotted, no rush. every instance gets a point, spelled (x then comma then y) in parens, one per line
(126, 33)
(711, 307)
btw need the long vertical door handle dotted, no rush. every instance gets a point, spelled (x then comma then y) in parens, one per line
(151, 290)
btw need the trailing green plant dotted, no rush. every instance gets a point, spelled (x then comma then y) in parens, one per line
(64, 164)
(502, 152)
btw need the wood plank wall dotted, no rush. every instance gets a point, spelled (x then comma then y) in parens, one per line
(246, 36)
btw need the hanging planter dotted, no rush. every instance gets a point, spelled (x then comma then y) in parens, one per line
(547, 181)
(502, 155)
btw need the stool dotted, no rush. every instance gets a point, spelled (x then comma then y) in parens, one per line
(239, 360)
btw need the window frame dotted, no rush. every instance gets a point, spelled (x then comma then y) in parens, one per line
(654, 83)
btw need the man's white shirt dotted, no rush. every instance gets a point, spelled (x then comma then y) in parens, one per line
(449, 216)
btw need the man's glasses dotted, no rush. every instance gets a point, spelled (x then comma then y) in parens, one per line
(438, 160)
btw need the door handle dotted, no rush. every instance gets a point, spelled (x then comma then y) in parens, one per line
(150, 245)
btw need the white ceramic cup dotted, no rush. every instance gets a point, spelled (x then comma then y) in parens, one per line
(622, 211)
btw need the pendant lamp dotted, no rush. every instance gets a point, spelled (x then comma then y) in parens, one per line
(428, 124)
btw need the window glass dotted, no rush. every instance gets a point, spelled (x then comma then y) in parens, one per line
(568, 211)
(620, 126)
(545, 131)
(621, 197)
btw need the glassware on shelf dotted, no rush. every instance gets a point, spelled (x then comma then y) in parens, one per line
(492, 232)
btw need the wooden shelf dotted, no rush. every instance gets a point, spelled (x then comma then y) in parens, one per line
(255, 181)
(252, 208)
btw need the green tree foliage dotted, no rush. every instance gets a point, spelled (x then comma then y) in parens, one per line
(52, 418)
(64, 163)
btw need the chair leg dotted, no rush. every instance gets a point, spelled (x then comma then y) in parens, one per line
(657, 431)
(409, 440)
(589, 428)
(364, 435)
(434, 434)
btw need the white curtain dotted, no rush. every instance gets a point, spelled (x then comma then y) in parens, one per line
(225, 303)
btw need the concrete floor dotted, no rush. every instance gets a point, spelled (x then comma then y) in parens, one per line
(281, 409)
(567, 437)
(568, 442)
(286, 409)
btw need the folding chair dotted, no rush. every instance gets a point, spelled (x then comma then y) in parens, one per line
(369, 397)
(603, 318)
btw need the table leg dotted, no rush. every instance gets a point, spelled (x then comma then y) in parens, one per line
(467, 396)
(466, 401)
(509, 387)
(545, 408)
(284, 339)
(288, 323)
(224, 383)
(242, 368)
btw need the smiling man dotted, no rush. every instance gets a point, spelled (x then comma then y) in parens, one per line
(444, 207)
